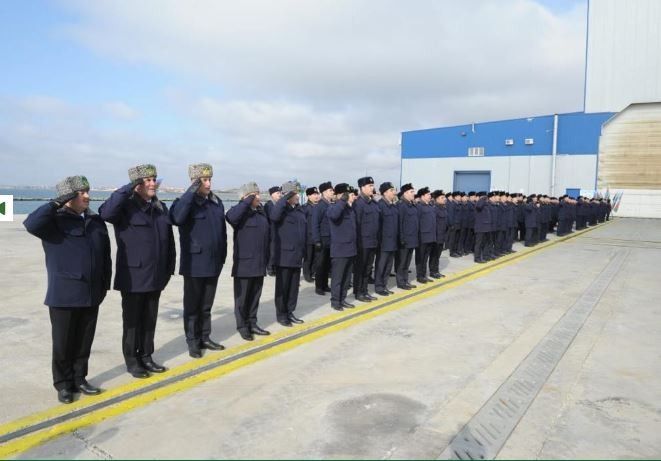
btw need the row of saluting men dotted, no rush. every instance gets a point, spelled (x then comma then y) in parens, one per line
(340, 232)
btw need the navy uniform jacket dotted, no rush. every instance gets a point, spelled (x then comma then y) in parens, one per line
(451, 207)
(510, 215)
(389, 226)
(520, 213)
(202, 234)
(563, 211)
(77, 255)
(464, 216)
(408, 224)
(320, 225)
(251, 239)
(493, 209)
(146, 254)
(441, 213)
(482, 215)
(544, 213)
(367, 221)
(308, 210)
(268, 207)
(426, 223)
(531, 215)
(342, 221)
(471, 214)
(289, 234)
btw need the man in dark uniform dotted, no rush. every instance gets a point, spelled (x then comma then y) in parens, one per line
(200, 215)
(289, 240)
(251, 255)
(469, 243)
(408, 235)
(563, 212)
(309, 259)
(531, 220)
(77, 248)
(544, 217)
(510, 222)
(609, 209)
(482, 228)
(388, 238)
(427, 234)
(366, 211)
(275, 193)
(343, 245)
(494, 209)
(441, 214)
(581, 213)
(146, 258)
(321, 238)
(521, 218)
(463, 225)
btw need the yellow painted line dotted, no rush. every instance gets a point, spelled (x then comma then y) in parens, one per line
(31, 440)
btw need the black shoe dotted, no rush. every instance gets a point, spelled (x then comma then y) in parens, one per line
(347, 305)
(423, 281)
(65, 396)
(411, 286)
(435, 275)
(194, 352)
(294, 319)
(152, 366)
(363, 298)
(382, 293)
(270, 272)
(212, 345)
(327, 289)
(428, 279)
(246, 335)
(390, 292)
(404, 287)
(285, 323)
(320, 292)
(373, 298)
(140, 373)
(87, 389)
(455, 255)
(338, 308)
(308, 279)
(257, 330)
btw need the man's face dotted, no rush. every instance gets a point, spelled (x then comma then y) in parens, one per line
(256, 200)
(367, 189)
(294, 199)
(147, 190)
(205, 187)
(426, 198)
(352, 198)
(328, 194)
(441, 200)
(314, 198)
(389, 194)
(464, 199)
(408, 195)
(275, 196)
(81, 202)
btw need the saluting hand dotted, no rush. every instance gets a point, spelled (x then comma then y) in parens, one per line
(62, 200)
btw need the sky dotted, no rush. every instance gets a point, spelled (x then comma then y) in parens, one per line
(268, 90)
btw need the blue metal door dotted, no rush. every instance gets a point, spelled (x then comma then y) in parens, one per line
(466, 181)
(573, 192)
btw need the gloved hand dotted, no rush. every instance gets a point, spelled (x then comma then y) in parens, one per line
(345, 197)
(136, 182)
(60, 201)
(195, 186)
(318, 245)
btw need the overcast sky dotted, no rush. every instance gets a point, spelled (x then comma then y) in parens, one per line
(268, 90)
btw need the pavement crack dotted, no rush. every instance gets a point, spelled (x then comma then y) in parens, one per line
(99, 452)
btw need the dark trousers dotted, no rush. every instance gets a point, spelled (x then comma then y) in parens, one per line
(323, 267)
(199, 294)
(309, 263)
(384, 262)
(480, 252)
(341, 269)
(453, 238)
(422, 259)
(139, 314)
(469, 241)
(362, 269)
(521, 231)
(72, 330)
(511, 231)
(402, 262)
(247, 291)
(543, 230)
(287, 281)
(434, 258)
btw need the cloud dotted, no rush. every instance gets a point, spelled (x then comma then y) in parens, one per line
(316, 90)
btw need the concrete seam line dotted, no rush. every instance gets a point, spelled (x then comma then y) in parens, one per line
(25, 433)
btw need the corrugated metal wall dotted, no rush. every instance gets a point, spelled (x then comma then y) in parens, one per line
(630, 149)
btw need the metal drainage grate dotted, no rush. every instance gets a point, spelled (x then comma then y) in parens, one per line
(488, 430)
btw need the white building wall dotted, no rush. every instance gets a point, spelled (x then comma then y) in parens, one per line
(623, 54)
(526, 174)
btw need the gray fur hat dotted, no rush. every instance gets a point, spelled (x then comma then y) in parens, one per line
(248, 188)
(291, 186)
(72, 184)
(142, 171)
(200, 170)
